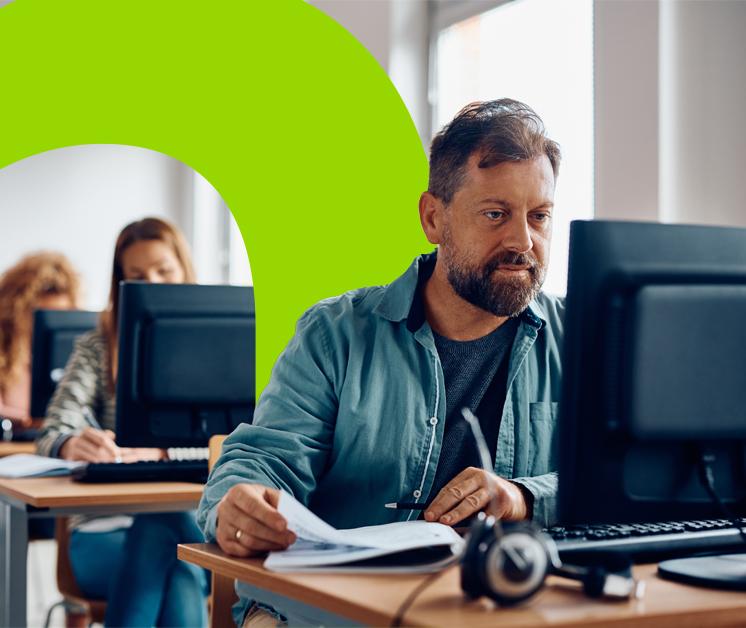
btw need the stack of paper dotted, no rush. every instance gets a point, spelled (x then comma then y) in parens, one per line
(29, 465)
(407, 546)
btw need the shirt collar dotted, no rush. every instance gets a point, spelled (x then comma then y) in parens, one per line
(399, 295)
(534, 315)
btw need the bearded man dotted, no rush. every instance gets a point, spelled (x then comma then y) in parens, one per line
(364, 405)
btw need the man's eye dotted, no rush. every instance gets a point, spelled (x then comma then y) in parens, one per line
(494, 215)
(542, 217)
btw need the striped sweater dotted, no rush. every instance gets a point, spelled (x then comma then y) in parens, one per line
(84, 385)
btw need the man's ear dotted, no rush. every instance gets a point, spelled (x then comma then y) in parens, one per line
(432, 211)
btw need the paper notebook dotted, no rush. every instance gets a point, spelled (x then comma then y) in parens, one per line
(406, 546)
(31, 466)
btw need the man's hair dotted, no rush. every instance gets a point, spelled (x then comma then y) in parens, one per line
(498, 131)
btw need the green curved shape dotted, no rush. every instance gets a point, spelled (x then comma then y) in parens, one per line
(274, 103)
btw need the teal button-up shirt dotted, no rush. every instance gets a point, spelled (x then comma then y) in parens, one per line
(354, 412)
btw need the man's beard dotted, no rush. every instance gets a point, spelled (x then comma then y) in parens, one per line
(498, 294)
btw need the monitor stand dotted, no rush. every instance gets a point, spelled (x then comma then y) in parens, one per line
(720, 572)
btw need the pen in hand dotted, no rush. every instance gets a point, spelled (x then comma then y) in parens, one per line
(91, 420)
(407, 505)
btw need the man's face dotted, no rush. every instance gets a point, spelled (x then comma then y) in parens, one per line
(496, 232)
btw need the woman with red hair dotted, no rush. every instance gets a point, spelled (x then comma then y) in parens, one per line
(40, 281)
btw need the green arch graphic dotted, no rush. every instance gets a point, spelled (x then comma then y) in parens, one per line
(274, 103)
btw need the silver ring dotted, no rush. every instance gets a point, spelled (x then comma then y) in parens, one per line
(238, 534)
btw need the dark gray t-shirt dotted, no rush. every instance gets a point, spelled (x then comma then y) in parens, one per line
(476, 373)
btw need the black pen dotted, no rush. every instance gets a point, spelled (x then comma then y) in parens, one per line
(407, 505)
(90, 419)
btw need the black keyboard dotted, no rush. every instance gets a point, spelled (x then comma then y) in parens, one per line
(146, 471)
(649, 542)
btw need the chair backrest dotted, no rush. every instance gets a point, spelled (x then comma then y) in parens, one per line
(66, 584)
(215, 448)
(65, 578)
(223, 594)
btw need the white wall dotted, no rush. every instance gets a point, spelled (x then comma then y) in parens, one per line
(702, 117)
(77, 199)
(670, 94)
(408, 68)
(625, 79)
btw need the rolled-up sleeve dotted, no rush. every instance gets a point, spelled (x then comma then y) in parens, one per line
(543, 489)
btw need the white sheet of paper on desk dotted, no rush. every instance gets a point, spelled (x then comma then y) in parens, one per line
(321, 545)
(29, 465)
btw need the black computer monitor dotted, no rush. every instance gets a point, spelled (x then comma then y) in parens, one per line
(186, 363)
(53, 338)
(654, 372)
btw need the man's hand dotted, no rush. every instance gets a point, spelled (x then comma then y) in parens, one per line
(474, 490)
(91, 445)
(249, 523)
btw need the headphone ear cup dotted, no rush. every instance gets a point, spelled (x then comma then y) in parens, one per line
(517, 564)
(508, 568)
(472, 562)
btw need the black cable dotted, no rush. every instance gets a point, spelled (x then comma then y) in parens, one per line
(707, 477)
(407, 603)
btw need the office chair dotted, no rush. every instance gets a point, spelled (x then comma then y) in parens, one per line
(73, 601)
(223, 592)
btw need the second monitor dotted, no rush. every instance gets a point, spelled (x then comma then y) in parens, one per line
(186, 363)
(54, 335)
(654, 384)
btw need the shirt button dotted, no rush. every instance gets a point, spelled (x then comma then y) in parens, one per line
(417, 494)
(433, 420)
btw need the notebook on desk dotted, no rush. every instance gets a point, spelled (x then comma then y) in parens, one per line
(32, 466)
(402, 547)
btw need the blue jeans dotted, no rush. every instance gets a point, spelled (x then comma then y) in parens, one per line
(136, 571)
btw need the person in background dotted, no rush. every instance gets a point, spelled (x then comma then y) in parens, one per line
(130, 562)
(40, 281)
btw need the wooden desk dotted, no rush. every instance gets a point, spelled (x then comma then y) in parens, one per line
(8, 448)
(338, 599)
(60, 496)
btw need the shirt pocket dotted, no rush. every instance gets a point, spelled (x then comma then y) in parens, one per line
(543, 445)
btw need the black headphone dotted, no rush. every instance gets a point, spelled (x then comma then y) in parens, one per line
(509, 562)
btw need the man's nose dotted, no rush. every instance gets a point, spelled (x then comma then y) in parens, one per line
(518, 236)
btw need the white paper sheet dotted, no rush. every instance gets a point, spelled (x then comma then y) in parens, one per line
(29, 465)
(321, 545)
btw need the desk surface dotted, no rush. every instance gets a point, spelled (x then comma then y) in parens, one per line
(8, 448)
(62, 492)
(375, 599)
(22, 499)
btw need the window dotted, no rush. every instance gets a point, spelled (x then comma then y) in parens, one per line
(539, 52)
(219, 251)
